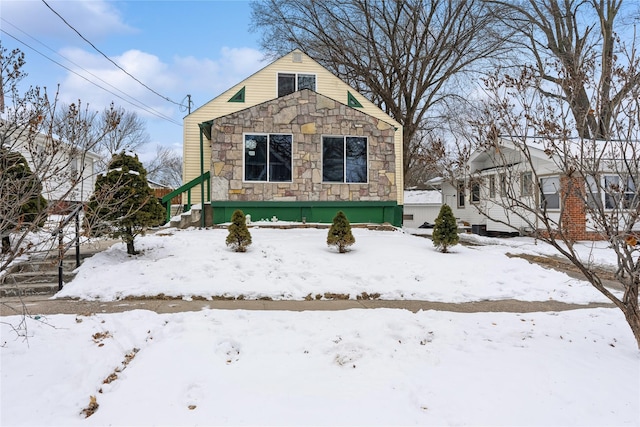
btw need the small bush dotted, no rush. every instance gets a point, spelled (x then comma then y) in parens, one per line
(445, 231)
(340, 233)
(239, 237)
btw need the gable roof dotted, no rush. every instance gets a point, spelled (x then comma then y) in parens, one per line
(295, 61)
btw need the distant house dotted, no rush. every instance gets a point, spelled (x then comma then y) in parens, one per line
(295, 142)
(68, 175)
(502, 168)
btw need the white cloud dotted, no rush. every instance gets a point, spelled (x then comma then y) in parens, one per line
(202, 78)
(94, 19)
(206, 78)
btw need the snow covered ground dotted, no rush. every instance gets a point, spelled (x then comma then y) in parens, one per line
(354, 367)
(297, 264)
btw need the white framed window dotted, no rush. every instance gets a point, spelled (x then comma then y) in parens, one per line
(462, 194)
(492, 186)
(550, 192)
(292, 82)
(503, 185)
(526, 184)
(344, 159)
(612, 192)
(267, 157)
(475, 191)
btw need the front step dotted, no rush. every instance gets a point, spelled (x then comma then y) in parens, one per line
(193, 217)
(31, 277)
(36, 277)
(27, 289)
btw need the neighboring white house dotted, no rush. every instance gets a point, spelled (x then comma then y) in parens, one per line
(68, 175)
(420, 207)
(502, 169)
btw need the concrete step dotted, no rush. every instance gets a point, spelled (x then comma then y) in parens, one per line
(28, 289)
(31, 277)
(36, 277)
(43, 265)
(193, 217)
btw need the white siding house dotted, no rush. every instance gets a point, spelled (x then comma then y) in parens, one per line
(67, 175)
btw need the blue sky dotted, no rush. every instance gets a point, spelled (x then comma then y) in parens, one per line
(176, 48)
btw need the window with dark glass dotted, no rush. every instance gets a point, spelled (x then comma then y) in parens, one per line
(475, 192)
(549, 192)
(527, 184)
(461, 194)
(620, 192)
(594, 195)
(291, 82)
(267, 158)
(631, 195)
(344, 159)
(612, 191)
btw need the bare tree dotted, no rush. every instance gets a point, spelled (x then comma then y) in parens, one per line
(33, 137)
(569, 42)
(165, 167)
(129, 134)
(408, 57)
(541, 174)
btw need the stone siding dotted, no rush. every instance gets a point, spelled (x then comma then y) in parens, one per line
(307, 116)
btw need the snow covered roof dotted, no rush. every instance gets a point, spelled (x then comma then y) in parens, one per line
(422, 197)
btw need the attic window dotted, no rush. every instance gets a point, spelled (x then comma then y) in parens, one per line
(352, 101)
(291, 82)
(239, 96)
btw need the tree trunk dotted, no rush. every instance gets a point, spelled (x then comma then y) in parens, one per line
(131, 250)
(632, 314)
(6, 244)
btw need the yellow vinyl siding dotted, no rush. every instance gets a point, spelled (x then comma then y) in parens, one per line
(261, 87)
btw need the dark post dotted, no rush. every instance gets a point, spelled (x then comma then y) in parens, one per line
(60, 256)
(77, 238)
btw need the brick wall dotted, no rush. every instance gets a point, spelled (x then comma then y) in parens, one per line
(573, 220)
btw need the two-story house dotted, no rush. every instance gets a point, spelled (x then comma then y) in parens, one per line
(295, 142)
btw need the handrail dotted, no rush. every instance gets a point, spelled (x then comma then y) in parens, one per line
(186, 188)
(62, 248)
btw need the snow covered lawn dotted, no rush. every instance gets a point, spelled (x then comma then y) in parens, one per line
(297, 264)
(354, 367)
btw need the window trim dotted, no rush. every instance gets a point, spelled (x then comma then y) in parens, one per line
(492, 186)
(238, 96)
(620, 199)
(461, 191)
(268, 161)
(296, 74)
(344, 159)
(474, 191)
(503, 184)
(527, 175)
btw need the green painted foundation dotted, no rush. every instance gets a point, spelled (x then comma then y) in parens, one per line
(319, 212)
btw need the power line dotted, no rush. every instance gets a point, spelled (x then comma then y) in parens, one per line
(108, 59)
(139, 105)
